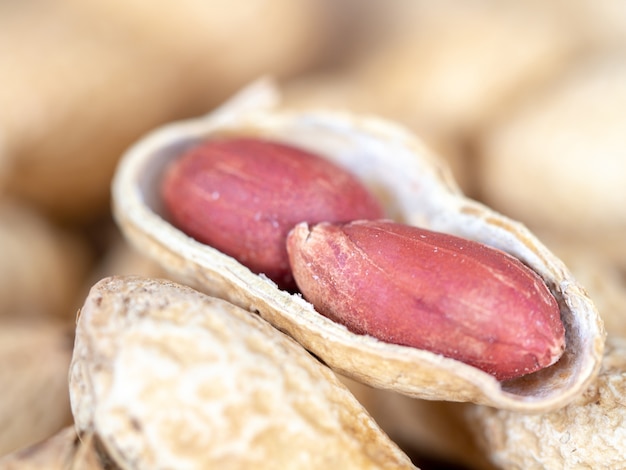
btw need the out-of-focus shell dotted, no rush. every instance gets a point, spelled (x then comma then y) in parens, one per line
(431, 68)
(34, 362)
(63, 451)
(598, 261)
(415, 188)
(435, 70)
(429, 431)
(589, 433)
(559, 161)
(82, 80)
(166, 377)
(600, 23)
(42, 266)
(123, 259)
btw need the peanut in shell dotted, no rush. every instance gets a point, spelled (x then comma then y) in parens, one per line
(415, 188)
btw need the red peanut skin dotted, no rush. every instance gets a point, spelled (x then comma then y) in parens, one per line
(429, 290)
(242, 196)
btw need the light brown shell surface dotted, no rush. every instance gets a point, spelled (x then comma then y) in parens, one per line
(62, 451)
(42, 267)
(575, 159)
(416, 188)
(82, 80)
(590, 433)
(34, 360)
(165, 377)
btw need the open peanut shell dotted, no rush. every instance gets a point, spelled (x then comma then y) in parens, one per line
(416, 188)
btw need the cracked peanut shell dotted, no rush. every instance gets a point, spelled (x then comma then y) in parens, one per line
(415, 188)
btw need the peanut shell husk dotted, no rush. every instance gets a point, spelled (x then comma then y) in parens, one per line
(165, 377)
(34, 361)
(82, 81)
(415, 187)
(589, 433)
(62, 451)
(575, 158)
(43, 265)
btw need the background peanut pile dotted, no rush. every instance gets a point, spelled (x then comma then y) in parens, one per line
(526, 100)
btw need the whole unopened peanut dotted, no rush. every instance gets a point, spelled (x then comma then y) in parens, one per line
(428, 290)
(242, 196)
(164, 377)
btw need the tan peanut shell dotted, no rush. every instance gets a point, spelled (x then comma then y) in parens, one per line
(415, 188)
(166, 377)
(34, 362)
(575, 160)
(431, 67)
(589, 433)
(42, 267)
(82, 80)
(438, 77)
(433, 430)
(599, 263)
(122, 259)
(62, 451)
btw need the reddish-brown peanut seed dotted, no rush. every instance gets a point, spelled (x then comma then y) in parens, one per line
(242, 196)
(429, 290)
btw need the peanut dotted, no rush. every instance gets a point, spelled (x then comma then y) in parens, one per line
(165, 377)
(242, 196)
(433, 291)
